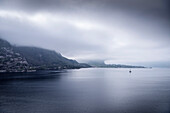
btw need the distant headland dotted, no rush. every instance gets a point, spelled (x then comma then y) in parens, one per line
(101, 64)
(30, 59)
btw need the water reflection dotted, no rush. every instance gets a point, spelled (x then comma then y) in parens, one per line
(88, 91)
(30, 76)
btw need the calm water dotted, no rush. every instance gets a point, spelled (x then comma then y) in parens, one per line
(92, 90)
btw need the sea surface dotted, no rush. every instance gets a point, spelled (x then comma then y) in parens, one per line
(92, 90)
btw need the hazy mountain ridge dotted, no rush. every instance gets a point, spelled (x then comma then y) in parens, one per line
(102, 64)
(36, 58)
(39, 56)
(4, 43)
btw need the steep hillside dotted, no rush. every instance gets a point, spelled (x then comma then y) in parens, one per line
(21, 59)
(4, 43)
(43, 57)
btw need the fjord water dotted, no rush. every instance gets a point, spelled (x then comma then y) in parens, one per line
(93, 90)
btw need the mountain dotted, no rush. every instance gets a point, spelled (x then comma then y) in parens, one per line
(4, 43)
(101, 64)
(33, 58)
(38, 56)
(47, 58)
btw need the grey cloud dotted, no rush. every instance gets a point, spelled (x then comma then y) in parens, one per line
(69, 40)
(129, 31)
(152, 6)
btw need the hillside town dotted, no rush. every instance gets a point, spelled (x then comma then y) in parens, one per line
(11, 61)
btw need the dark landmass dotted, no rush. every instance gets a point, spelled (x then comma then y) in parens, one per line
(101, 64)
(47, 59)
(29, 59)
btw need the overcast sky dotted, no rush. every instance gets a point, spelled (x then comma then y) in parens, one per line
(116, 31)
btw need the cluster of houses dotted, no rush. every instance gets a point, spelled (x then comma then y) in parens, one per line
(11, 61)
